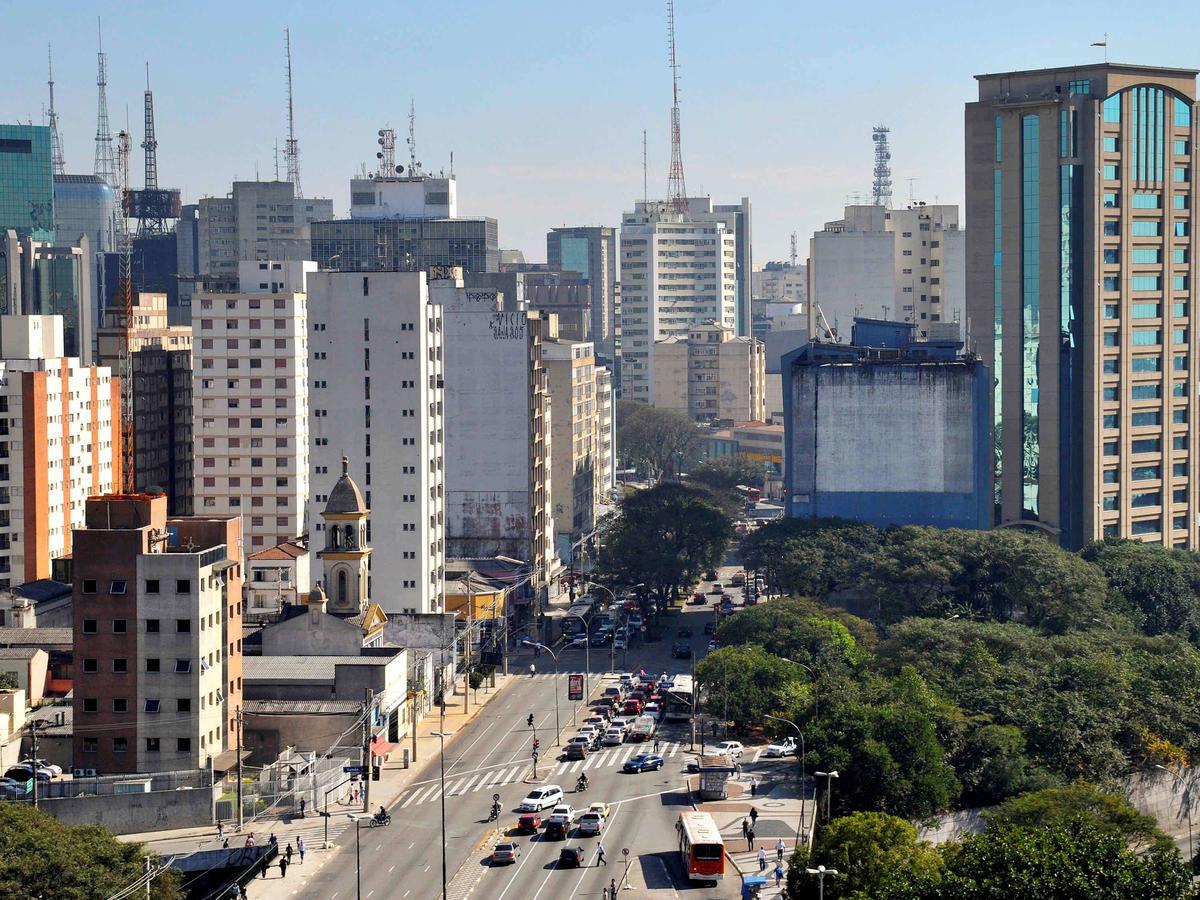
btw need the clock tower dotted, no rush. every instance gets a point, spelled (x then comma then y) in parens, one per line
(346, 558)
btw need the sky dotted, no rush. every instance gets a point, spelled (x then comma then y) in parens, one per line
(543, 103)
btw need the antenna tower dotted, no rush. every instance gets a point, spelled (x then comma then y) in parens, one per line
(387, 152)
(794, 253)
(56, 150)
(123, 301)
(150, 144)
(105, 166)
(414, 167)
(881, 187)
(645, 176)
(291, 149)
(676, 188)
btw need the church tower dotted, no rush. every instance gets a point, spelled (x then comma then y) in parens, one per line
(346, 557)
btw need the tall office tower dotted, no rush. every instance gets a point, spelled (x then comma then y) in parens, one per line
(405, 224)
(250, 401)
(592, 252)
(606, 427)
(41, 279)
(60, 443)
(497, 428)
(738, 222)
(256, 220)
(375, 367)
(26, 181)
(157, 634)
(710, 374)
(1080, 279)
(84, 204)
(675, 273)
(903, 265)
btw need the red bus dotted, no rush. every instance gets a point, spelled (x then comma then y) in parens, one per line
(701, 846)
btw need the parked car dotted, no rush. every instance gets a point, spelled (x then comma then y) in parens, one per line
(570, 858)
(505, 853)
(644, 762)
(732, 749)
(529, 823)
(712, 645)
(540, 798)
(590, 823)
(786, 747)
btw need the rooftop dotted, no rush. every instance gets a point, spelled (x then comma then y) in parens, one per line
(300, 707)
(1131, 68)
(285, 551)
(302, 668)
(18, 652)
(36, 637)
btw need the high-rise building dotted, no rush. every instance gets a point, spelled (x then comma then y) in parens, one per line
(498, 434)
(84, 204)
(606, 427)
(739, 223)
(60, 441)
(710, 374)
(1081, 279)
(43, 279)
(896, 264)
(26, 181)
(250, 401)
(591, 251)
(676, 272)
(157, 636)
(376, 396)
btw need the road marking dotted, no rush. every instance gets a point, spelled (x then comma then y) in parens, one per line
(595, 855)
(674, 749)
(463, 754)
(413, 844)
(411, 797)
(759, 754)
(391, 870)
(490, 776)
(370, 892)
(466, 785)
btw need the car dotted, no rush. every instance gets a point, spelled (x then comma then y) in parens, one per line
(564, 813)
(684, 631)
(505, 852)
(12, 788)
(540, 798)
(613, 737)
(596, 722)
(528, 823)
(711, 575)
(590, 823)
(717, 589)
(621, 642)
(601, 638)
(710, 627)
(737, 579)
(652, 709)
(570, 857)
(577, 750)
(589, 730)
(681, 650)
(698, 599)
(622, 722)
(732, 749)
(555, 831)
(580, 640)
(22, 772)
(643, 762)
(632, 707)
(627, 679)
(613, 692)
(600, 807)
(786, 747)
(712, 645)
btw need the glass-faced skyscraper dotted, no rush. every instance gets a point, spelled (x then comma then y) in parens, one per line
(1080, 287)
(26, 181)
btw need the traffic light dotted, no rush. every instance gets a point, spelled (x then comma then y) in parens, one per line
(375, 772)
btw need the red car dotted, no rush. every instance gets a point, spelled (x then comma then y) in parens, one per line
(529, 823)
(633, 707)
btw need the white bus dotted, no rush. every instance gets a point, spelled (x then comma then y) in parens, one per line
(680, 699)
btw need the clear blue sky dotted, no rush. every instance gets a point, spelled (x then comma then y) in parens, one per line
(543, 103)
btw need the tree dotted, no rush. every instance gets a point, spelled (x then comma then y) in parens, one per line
(811, 557)
(867, 849)
(992, 764)
(655, 441)
(725, 473)
(41, 857)
(1150, 582)
(664, 538)
(8, 681)
(745, 683)
(1063, 806)
(822, 637)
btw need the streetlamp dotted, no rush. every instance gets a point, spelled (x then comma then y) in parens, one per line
(803, 777)
(612, 647)
(441, 736)
(1178, 779)
(357, 820)
(554, 656)
(813, 674)
(828, 776)
(587, 650)
(821, 872)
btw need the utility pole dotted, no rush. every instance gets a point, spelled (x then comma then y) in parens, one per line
(237, 718)
(33, 734)
(467, 647)
(146, 871)
(695, 697)
(368, 712)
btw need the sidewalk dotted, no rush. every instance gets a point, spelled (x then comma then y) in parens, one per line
(288, 828)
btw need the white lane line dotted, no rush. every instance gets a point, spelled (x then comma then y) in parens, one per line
(466, 785)
(411, 797)
(423, 794)
(629, 754)
(758, 755)
(584, 869)
(489, 777)
(674, 749)
(391, 870)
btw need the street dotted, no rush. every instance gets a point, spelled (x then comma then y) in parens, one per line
(492, 755)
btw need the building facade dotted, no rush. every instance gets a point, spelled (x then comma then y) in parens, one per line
(738, 222)
(675, 273)
(158, 637)
(710, 374)
(276, 576)
(26, 182)
(376, 373)
(250, 402)
(591, 251)
(1082, 287)
(44, 279)
(60, 441)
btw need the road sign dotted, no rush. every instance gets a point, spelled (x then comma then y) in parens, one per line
(353, 770)
(574, 687)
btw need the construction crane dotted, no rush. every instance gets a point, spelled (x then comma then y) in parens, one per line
(123, 301)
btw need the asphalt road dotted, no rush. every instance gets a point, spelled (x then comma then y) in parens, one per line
(492, 755)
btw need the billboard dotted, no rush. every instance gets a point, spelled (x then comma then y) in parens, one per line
(574, 687)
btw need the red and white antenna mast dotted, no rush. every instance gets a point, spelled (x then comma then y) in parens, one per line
(676, 189)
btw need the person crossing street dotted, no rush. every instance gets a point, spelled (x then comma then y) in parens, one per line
(600, 860)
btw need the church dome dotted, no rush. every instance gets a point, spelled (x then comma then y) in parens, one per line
(346, 498)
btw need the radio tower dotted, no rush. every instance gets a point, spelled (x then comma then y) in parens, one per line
(881, 188)
(291, 149)
(105, 167)
(56, 150)
(123, 301)
(676, 189)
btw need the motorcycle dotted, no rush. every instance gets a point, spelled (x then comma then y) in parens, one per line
(378, 821)
(495, 813)
(581, 785)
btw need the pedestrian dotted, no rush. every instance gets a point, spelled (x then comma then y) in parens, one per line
(225, 846)
(600, 860)
(272, 840)
(242, 892)
(750, 838)
(745, 827)
(753, 815)
(656, 745)
(762, 859)
(288, 853)
(300, 849)
(778, 875)
(250, 840)
(779, 848)
(220, 830)
(303, 803)
(283, 864)
(754, 787)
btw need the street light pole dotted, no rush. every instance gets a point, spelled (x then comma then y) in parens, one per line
(441, 736)
(357, 855)
(828, 776)
(821, 872)
(803, 776)
(554, 656)
(612, 660)
(1179, 780)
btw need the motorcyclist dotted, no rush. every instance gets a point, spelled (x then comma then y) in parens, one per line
(582, 783)
(382, 815)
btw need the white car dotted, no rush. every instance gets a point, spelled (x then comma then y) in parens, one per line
(539, 798)
(589, 730)
(614, 737)
(621, 722)
(591, 823)
(563, 813)
(732, 749)
(579, 641)
(786, 747)
(626, 679)
(596, 722)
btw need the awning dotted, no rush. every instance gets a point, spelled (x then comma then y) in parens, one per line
(380, 746)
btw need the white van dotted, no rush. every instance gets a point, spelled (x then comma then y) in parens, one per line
(643, 728)
(540, 798)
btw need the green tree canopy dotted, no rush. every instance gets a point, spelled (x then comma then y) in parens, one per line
(1062, 806)
(825, 638)
(747, 682)
(724, 473)
(811, 558)
(655, 441)
(1154, 585)
(41, 857)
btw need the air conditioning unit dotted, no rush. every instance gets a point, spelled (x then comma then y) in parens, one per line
(220, 696)
(78, 773)
(90, 773)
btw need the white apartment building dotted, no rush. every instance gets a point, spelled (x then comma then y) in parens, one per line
(606, 426)
(275, 576)
(906, 265)
(711, 374)
(250, 402)
(376, 390)
(676, 272)
(60, 438)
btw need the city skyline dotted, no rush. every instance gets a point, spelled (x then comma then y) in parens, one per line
(536, 151)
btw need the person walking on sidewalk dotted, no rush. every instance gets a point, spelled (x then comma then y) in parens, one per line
(288, 853)
(750, 838)
(600, 860)
(778, 875)
(745, 828)
(220, 830)
(303, 803)
(762, 859)
(779, 848)
(753, 816)
(300, 849)
(283, 864)
(753, 787)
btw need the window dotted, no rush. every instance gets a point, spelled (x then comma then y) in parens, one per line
(1112, 229)
(1146, 473)
(1146, 526)
(90, 665)
(120, 626)
(152, 626)
(1112, 109)
(1180, 363)
(1146, 364)
(1110, 502)
(1181, 229)
(183, 745)
(1145, 310)
(1111, 201)
(1181, 148)
(89, 626)
(183, 705)
(1179, 254)
(1111, 476)
(120, 705)
(153, 664)
(1111, 339)
(1179, 495)
(152, 745)
(1181, 173)
(1113, 367)
(1149, 255)
(183, 586)
(183, 666)
(1142, 337)
(1110, 173)
(1146, 445)
(1179, 310)
(1110, 394)
(120, 745)
(1179, 523)
(1179, 336)
(1179, 442)
(1145, 392)
(1147, 201)
(91, 705)
(1149, 498)
(1110, 145)
(151, 585)
(89, 585)
(120, 665)
(183, 626)
(1112, 257)
(1142, 419)
(1112, 311)
(1179, 201)
(91, 745)
(1179, 416)
(1179, 470)
(1147, 228)
(1111, 420)
(1112, 448)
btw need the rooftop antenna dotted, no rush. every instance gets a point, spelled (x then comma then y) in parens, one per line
(910, 181)
(291, 149)
(106, 165)
(676, 188)
(56, 149)
(387, 152)
(414, 167)
(150, 142)
(881, 187)
(276, 159)
(794, 253)
(645, 176)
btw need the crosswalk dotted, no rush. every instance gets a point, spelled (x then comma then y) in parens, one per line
(503, 775)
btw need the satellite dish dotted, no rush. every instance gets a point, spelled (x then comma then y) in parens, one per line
(399, 170)
(380, 134)
(379, 156)
(380, 142)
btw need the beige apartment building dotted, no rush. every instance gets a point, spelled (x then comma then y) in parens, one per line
(711, 374)
(1080, 278)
